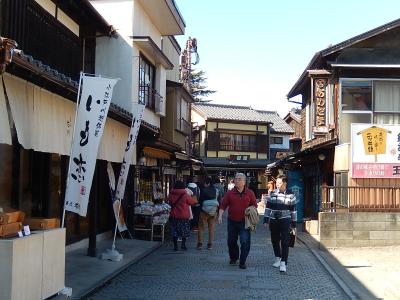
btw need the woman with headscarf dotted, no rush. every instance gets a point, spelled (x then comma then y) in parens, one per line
(180, 201)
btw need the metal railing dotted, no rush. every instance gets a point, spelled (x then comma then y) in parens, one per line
(360, 198)
(151, 98)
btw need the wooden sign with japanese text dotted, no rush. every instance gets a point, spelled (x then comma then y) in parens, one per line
(375, 151)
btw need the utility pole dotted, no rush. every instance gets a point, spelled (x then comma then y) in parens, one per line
(186, 62)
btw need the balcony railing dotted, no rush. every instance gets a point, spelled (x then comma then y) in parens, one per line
(151, 98)
(360, 198)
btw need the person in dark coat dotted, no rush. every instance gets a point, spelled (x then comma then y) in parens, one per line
(180, 203)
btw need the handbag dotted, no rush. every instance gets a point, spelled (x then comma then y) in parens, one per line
(292, 237)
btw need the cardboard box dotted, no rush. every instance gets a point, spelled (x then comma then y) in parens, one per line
(10, 229)
(11, 216)
(42, 223)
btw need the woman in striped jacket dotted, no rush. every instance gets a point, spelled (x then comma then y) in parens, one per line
(280, 215)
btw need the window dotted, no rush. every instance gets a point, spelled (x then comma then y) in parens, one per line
(356, 106)
(357, 96)
(183, 116)
(276, 140)
(146, 83)
(237, 142)
(367, 101)
(387, 102)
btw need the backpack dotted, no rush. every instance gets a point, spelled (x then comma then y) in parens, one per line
(211, 206)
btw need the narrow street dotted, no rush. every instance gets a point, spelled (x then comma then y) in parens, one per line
(206, 274)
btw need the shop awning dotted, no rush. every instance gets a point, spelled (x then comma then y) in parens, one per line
(156, 153)
(5, 133)
(181, 156)
(44, 121)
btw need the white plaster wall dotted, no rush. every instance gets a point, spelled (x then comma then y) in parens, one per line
(284, 145)
(161, 79)
(142, 25)
(118, 13)
(196, 117)
(114, 59)
(173, 55)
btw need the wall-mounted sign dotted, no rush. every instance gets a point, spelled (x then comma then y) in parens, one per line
(234, 157)
(375, 151)
(320, 85)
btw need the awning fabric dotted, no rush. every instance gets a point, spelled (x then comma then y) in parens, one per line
(5, 134)
(156, 153)
(45, 121)
(181, 156)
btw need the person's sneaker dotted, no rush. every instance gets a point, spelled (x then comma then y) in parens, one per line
(199, 245)
(209, 246)
(195, 229)
(243, 266)
(277, 262)
(233, 262)
(179, 239)
(282, 267)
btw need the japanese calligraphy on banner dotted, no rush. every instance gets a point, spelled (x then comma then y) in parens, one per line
(118, 213)
(137, 115)
(93, 104)
(375, 151)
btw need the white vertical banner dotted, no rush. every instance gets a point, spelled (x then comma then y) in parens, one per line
(137, 115)
(119, 215)
(93, 103)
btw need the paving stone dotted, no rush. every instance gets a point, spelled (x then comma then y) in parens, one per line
(206, 274)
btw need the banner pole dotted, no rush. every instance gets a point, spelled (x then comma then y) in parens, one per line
(73, 133)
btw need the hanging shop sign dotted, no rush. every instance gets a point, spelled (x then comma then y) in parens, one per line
(320, 91)
(137, 116)
(375, 151)
(94, 98)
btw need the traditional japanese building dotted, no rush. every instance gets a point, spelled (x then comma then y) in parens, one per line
(232, 138)
(350, 127)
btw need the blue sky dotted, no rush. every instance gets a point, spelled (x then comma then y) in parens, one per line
(254, 51)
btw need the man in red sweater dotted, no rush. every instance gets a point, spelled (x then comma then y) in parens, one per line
(237, 200)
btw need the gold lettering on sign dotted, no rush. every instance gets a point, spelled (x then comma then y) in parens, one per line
(320, 101)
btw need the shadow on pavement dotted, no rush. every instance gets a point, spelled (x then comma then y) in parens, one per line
(350, 284)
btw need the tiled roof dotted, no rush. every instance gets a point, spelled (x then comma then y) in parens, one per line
(243, 113)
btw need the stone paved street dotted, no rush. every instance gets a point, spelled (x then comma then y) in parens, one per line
(206, 274)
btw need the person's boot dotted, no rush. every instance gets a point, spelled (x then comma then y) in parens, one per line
(183, 245)
(175, 239)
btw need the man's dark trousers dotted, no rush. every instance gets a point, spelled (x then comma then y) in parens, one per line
(236, 229)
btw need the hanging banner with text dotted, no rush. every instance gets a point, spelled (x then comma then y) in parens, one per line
(93, 104)
(137, 115)
(118, 213)
(375, 151)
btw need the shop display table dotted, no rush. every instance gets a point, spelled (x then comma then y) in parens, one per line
(146, 222)
(148, 217)
(33, 266)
